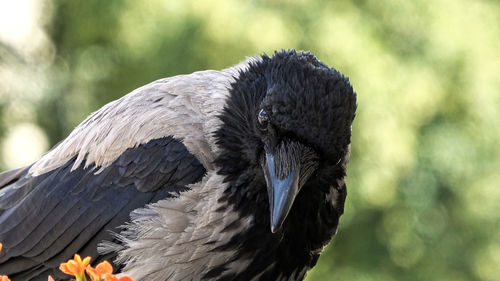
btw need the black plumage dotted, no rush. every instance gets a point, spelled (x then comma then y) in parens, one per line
(75, 210)
(276, 132)
(308, 102)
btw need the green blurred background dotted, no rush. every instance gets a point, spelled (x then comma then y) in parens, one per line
(424, 192)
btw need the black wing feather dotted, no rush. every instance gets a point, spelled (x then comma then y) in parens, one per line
(44, 220)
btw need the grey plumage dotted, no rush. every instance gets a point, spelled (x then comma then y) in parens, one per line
(175, 238)
(180, 180)
(189, 105)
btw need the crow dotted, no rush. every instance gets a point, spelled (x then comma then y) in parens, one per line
(236, 174)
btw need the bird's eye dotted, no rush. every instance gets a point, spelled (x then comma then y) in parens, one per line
(263, 119)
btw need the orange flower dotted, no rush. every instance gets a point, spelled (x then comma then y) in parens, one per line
(75, 267)
(93, 273)
(102, 269)
(110, 277)
(1, 247)
(50, 278)
(104, 272)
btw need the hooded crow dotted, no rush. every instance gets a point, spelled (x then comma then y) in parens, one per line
(236, 174)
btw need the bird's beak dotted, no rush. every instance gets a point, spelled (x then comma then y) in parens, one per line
(282, 187)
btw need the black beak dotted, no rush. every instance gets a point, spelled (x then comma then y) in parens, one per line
(287, 167)
(281, 190)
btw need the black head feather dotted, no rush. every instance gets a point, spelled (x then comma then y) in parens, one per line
(305, 102)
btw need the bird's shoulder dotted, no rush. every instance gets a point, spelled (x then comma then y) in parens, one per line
(184, 107)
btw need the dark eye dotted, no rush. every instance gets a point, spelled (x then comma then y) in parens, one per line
(263, 119)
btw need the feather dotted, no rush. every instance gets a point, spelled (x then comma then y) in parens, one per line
(171, 181)
(73, 207)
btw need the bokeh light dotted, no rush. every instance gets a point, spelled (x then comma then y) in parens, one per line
(23, 144)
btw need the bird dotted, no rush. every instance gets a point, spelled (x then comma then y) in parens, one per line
(232, 174)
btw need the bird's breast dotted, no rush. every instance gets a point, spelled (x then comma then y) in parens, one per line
(182, 237)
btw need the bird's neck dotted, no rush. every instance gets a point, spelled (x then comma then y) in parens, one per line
(295, 248)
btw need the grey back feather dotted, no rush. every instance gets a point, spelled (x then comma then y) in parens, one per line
(183, 106)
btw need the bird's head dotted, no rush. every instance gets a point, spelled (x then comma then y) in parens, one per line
(288, 119)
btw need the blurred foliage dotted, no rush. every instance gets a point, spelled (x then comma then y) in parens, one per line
(423, 181)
